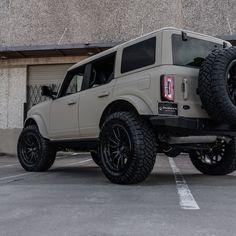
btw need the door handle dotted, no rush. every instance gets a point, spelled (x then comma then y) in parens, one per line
(71, 102)
(185, 88)
(103, 94)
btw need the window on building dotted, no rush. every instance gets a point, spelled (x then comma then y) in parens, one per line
(139, 55)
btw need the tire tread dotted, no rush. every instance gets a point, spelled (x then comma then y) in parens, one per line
(145, 148)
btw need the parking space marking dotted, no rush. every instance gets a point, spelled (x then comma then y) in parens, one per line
(79, 162)
(80, 153)
(31, 173)
(17, 164)
(72, 155)
(186, 199)
(14, 176)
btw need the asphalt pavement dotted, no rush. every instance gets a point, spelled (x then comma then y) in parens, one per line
(74, 198)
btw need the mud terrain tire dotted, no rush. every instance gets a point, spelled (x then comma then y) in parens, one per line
(34, 152)
(217, 85)
(127, 148)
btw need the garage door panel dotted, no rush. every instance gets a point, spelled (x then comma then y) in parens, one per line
(47, 74)
(39, 75)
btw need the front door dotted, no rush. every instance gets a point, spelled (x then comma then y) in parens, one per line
(64, 117)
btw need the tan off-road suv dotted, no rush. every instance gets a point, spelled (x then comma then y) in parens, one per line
(170, 91)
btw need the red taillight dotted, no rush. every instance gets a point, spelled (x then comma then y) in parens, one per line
(167, 88)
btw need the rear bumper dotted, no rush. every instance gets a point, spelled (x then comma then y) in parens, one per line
(192, 125)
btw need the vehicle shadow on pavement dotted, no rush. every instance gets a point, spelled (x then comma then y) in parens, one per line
(94, 175)
(80, 171)
(210, 181)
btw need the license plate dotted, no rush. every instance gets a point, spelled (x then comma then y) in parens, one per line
(166, 108)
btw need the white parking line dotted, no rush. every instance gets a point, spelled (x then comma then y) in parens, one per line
(78, 162)
(15, 176)
(31, 173)
(72, 154)
(9, 165)
(80, 153)
(186, 199)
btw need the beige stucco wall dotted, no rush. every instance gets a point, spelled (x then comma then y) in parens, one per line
(8, 141)
(13, 96)
(34, 22)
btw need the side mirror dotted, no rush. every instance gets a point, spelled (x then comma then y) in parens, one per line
(47, 91)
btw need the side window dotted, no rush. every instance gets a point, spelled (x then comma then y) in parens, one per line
(73, 82)
(139, 55)
(75, 85)
(102, 71)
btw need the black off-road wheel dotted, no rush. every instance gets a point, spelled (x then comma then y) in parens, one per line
(127, 148)
(95, 157)
(217, 85)
(34, 152)
(220, 160)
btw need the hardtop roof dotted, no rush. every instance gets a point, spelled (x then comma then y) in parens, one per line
(114, 49)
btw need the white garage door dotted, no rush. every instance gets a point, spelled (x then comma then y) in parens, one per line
(39, 75)
(47, 74)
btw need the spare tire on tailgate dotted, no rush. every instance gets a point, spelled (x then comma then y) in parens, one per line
(217, 85)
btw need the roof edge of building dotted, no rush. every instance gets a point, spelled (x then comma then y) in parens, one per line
(58, 46)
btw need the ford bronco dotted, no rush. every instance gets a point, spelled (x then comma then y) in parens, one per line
(171, 91)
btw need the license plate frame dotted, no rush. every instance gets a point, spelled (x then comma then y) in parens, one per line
(168, 108)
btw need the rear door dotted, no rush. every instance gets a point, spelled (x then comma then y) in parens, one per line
(97, 95)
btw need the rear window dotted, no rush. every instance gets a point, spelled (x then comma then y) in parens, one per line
(138, 55)
(191, 52)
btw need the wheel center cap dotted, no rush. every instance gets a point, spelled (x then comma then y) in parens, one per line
(122, 149)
